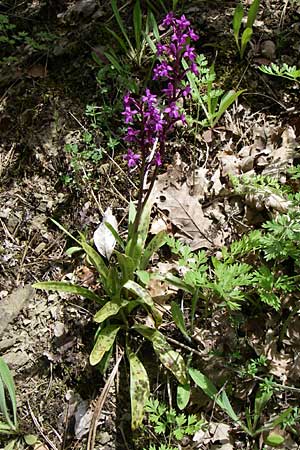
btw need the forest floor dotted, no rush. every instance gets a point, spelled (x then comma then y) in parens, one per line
(61, 157)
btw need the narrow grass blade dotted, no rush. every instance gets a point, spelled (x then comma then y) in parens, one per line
(139, 389)
(61, 227)
(62, 286)
(226, 102)
(120, 23)
(118, 39)
(137, 24)
(210, 390)
(115, 235)
(113, 60)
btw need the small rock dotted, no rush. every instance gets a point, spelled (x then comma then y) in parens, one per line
(59, 329)
(268, 50)
(104, 437)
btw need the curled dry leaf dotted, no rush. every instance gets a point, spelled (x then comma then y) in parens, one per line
(103, 237)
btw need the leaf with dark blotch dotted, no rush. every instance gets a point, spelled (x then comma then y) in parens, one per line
(103, 343)
(171, 359)
(139, 389)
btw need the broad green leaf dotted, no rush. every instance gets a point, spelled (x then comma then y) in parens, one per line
(226, 102)
(144, 223)
(3, 406)
(139, 389)
(152, 247)
(261, 399)
(71, 250)
(30, 439)
(115, 235)
(12, 445)
(237, 20)
(96, 260)
(120, 22)
(178, 282)
(137, 24)
(246, 36)
(141, 292)
(252, 13)
(5, 428)
(178, 318)
(104, 342)
(104, 363)
(274, 440)
(127, 266)
(131, 218)
(171, 359)
(183, 395)
(144, 276)
(228, 408)
(8, 382)
(111, 308)
(62, 286)
(211, 391)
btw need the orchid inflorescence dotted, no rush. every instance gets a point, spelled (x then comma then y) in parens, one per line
(150, 119)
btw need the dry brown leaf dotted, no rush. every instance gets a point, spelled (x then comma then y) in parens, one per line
(230, 164)
(183, 210)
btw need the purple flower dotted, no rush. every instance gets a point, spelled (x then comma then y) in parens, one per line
(189, 53)
(162, 70)
(194, 68)
(172, 110)
(186, 91)
(149, 98)
(183, 23)
(193, 35)
(168, 20)
(132, 158)
(151, 120)
(131, 135)
(157, 159)
(128, 114)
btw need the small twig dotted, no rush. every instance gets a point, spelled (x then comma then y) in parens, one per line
(99, 405)
(38, 426)
(186, 347)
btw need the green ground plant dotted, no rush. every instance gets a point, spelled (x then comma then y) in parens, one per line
(9, 425)
(170, 426)
(123, 297)
(213, 102)
(285, 71)
(11, 39)
(242, 39)
(252, 425)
